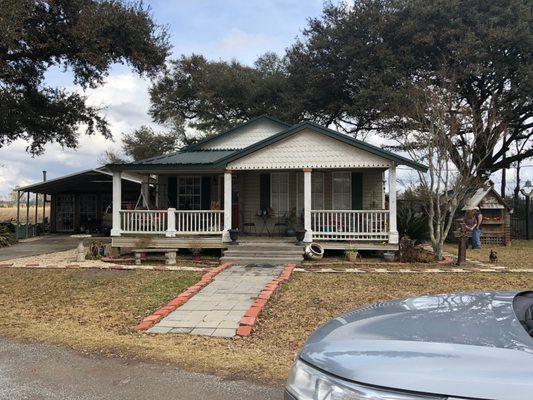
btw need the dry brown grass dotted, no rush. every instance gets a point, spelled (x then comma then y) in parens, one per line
(10, 214)
(94, 311)
(518, 255)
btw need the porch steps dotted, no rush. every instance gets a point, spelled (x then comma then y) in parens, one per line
(263, 253)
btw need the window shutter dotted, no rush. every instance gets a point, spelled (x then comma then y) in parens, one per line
(172, 189)
(206, 193)
(264, 191)
(357, 191)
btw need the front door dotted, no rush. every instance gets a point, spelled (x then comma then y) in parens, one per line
(65, 213)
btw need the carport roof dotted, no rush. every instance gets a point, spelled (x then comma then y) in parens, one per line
(83, 179)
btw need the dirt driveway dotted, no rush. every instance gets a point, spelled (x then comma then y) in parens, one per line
(36, 371)
(41, 245)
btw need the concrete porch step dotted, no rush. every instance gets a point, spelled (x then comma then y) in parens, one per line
(261, 260)
(256, 253)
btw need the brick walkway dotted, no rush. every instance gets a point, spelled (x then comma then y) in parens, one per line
(217, 309)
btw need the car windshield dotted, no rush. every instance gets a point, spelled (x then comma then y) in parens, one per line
(523, 308)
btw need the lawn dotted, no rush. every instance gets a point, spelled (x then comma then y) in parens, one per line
(94, 311)
(518, 255)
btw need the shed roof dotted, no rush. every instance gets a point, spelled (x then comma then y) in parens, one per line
(80, 181)
(480, 194)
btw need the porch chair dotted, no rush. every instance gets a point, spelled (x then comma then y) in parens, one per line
(281, 222)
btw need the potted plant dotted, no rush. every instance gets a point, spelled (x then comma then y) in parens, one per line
(196, 249)
(291, 221)
(300, 235)
(234, 235)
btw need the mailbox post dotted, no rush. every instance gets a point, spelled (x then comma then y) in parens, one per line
(463, 234)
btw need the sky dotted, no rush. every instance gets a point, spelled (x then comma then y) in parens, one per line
(219, 30)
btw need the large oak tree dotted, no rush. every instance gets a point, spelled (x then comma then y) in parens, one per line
(357, 66)
(83, 36)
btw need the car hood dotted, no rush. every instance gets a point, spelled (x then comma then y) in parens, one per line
(466, 345)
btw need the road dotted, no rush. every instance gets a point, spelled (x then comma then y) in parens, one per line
(36, 371)
(41, 245)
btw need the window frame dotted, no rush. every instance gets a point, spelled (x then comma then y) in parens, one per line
(179, 195)
(334, 194)
(280, 212)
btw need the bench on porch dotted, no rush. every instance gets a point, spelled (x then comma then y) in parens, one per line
(170, 255)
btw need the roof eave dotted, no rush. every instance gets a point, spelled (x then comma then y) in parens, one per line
(335, 135)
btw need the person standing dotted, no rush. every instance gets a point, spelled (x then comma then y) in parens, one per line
(473, 221)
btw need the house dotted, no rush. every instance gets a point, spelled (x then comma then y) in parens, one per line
(496, 213)
(264, 177)
(78, 202)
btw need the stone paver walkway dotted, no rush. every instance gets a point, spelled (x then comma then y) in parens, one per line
(217, 309)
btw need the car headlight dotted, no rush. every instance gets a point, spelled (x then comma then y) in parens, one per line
(307, 383)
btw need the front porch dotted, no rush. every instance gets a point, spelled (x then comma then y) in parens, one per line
(340, 209)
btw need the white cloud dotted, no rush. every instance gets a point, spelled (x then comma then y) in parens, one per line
(125, 102)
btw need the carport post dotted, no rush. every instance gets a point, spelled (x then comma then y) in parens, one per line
(36, 210)
(27, 214)
(17, 230)
(44, 208)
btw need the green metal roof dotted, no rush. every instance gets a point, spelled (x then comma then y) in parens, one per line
(189, 158)
(235, 128)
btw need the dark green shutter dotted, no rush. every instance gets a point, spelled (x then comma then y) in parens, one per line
(357, 191)
(206, 193)
(264, 191)
(172, 188)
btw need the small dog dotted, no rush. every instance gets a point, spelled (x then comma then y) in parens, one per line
(493, 256)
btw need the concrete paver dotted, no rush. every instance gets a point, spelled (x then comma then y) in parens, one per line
(217, 309)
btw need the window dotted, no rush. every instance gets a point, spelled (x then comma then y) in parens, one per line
(279, 193)
(88, 207)
(342, 191)
(317, 191)
(189, 193)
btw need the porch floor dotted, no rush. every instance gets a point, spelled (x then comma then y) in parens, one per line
(215, 242)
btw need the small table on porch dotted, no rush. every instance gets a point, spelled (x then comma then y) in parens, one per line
(264, 217)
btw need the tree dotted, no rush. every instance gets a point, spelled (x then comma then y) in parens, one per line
(83, 36)
(213, 96)
(146, 143)
(443, 188)
(373, 54)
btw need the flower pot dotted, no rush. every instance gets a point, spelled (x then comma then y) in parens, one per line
(300, 236)
(233, 235)
(290, 232)
(314, 251)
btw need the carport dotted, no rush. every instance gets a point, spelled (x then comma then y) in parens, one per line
(78, 202)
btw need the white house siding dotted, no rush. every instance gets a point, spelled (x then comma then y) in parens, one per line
(309, 149)
(245, 136)
(373, 194)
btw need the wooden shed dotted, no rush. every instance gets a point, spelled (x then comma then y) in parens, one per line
(496, 226)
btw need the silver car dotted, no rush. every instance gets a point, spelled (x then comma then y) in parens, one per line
(457, 346)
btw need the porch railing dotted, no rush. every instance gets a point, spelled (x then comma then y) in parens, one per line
(143, 221)
(199, 222)
(370, 225)
(172, 222)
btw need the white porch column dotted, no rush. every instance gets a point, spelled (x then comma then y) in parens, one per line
(393, 230)
(117, 202)
(145, 191)
(171, 223)
(307, 205)
(227, 206)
